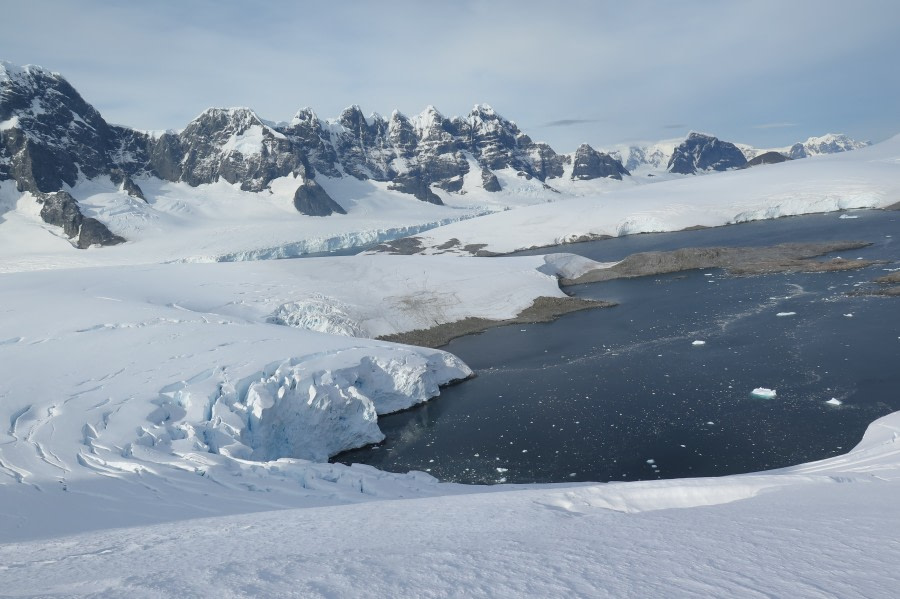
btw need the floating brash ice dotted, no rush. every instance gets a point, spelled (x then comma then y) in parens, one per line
(763, 393)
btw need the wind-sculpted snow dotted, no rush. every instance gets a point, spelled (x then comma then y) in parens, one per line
(173, 391)
(318, 313)
(826, 529)
(308, 408)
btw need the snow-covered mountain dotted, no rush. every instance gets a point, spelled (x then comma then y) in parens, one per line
(50, 138)
(654, 158)
(52, 141)
(831, 143)
(701, 152)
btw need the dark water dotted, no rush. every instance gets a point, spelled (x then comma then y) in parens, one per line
(623, 394)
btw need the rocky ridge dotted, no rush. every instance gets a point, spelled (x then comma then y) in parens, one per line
(50, 137)
(701, 152)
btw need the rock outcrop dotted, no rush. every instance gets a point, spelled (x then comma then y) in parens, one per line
(700, 152)
(767, 158)
(591, 164)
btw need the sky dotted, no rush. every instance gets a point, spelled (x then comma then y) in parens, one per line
(765, 72)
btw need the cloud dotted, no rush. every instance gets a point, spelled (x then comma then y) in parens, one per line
(569, 122)
(695, 62)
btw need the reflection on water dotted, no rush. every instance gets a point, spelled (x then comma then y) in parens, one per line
(625, 393)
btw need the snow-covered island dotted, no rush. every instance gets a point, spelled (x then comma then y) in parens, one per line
(169, 402)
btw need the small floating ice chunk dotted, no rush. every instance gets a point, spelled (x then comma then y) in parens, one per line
(710, 422)
(845, 216)
(763, 393)
(502, 470)
(786, 314)
(651, 461)
(834, 401)
(698, 342)
(849, 315)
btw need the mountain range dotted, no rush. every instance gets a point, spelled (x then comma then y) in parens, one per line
(50, 137)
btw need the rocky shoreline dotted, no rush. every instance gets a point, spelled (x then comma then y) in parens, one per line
(544, 309)
(785, 257)
(739, 261)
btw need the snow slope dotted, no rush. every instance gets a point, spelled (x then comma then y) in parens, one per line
(827, 529)
(145, 393)
(865, 178)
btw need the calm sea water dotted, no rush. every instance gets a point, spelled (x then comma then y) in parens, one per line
(625, 394)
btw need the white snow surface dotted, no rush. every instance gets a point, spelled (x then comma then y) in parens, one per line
(825, 529)
(865, 178)
(170, 388)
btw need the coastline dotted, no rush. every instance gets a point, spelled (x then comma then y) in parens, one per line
(544, 309)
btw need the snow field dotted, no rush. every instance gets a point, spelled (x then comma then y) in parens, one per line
(168, 383)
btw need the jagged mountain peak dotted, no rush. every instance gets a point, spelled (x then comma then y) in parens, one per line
(588, 164)
(830, 143)
(352, 112)
(698, 135)
(237, 129)
(304, 115)
(704, 152)
(430, 115)
(49, 136)
(429, 124)
(834, 137)
(398, 117)
(12, 72)
(483, 110)
(237, 115)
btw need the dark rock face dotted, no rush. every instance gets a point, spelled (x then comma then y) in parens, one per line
(591, 164)
(93, 232)
(489, 181)
(235, 145)
(767, 158)
(414, 183)
(797, 151)
(127, 184)
(313, 143)
(312, 200)
(546, 163)
(62, 210)
(701, 152)
(54, 133)
(363, 148)
(50, 135)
